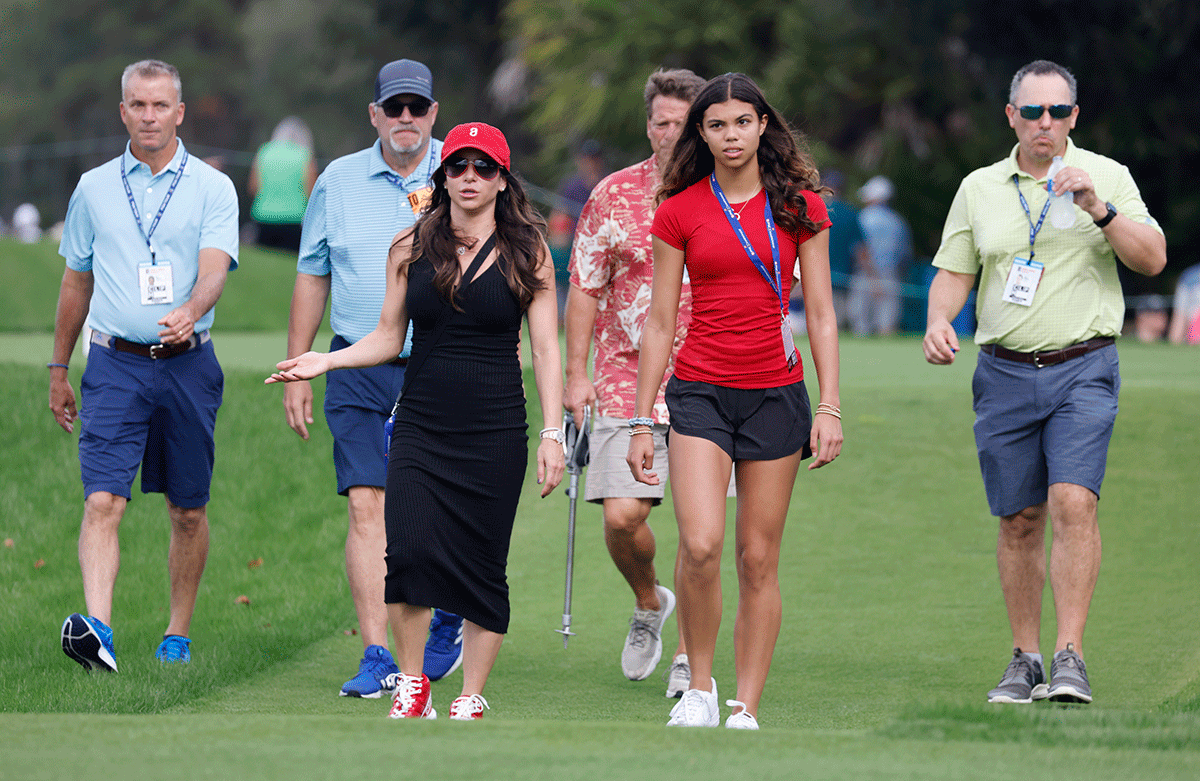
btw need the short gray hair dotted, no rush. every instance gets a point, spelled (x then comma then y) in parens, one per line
(150, 69)
(679, 83)
(1042, 68)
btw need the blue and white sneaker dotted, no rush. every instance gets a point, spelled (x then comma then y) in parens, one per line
(376, 665)
(443, 649)
(89, 641)
(174, 650)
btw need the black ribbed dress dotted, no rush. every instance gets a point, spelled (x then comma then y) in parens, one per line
(458, 453)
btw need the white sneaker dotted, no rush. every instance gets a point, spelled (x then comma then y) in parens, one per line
(742, 719)
(696, 709)
(679, 677)
(643, 644)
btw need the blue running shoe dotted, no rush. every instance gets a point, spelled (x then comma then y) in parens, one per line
(89, 641)
(443, 649)
(174, 650)
(376, 665)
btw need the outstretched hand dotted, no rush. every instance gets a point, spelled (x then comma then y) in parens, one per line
(302, 367)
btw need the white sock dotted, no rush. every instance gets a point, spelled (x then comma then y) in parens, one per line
(1036, 657)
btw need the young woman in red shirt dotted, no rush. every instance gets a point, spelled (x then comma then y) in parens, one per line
(739, 209)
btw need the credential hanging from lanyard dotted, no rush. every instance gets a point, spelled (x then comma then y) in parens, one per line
(776, 283)
(155, 282)
(1025, 273)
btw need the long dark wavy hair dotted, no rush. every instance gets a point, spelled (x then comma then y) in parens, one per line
(520, 232)
(784, 163)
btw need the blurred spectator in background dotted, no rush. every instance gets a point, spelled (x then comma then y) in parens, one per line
(848, 252)
(559, 239)
(1150, 318)
(1185, 319)
(281, 179)
(573, 193)
(27, 223)
(875, 293)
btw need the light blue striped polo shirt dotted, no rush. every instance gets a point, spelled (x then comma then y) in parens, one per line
(357, 207)
(101, 236)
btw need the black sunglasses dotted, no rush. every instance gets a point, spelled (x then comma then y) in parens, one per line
(1057, 111)
(418, 107)
(485, 169)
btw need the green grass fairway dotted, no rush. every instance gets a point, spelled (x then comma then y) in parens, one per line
(893, 630)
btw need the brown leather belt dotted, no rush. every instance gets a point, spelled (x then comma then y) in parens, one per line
(1048, 357)
(399, 362)
(154, 351)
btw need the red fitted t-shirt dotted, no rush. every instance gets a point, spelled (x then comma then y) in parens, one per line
(735, 338)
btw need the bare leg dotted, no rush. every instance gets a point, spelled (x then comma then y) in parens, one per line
(631, 545)
(700, 473)
(1074, 560)
(185, 563)
(1021, 558)
(366, 543)
(764, 492)
(100, 552)
(410, 625)
(480, 649)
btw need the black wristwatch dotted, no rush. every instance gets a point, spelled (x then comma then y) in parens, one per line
(1106, 219)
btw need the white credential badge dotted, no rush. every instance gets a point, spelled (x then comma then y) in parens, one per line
(1023, 279)
(155, 283)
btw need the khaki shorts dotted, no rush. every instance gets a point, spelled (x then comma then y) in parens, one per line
(608, 475)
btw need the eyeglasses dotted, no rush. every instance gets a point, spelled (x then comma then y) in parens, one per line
(1057, 111)
(394, 108)
(484, 169)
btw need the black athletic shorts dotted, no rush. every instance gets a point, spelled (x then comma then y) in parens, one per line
(750, 424)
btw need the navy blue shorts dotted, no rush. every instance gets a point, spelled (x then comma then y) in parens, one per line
(759, 424)
(1034, 427)
(357, 403)
(157, 413)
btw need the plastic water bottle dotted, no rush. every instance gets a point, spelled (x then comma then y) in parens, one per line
(1062, 207)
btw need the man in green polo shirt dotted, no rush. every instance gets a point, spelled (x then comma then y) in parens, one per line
(1045, 387)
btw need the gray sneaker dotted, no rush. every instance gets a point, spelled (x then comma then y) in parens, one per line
(679, 677)
(1068, 677)
(1024, 681)
(643, 644)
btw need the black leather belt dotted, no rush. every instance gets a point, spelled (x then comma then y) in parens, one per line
(1048, 357)
(155, 351)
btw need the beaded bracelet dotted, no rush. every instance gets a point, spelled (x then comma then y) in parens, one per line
(641, 430)
(820, 411)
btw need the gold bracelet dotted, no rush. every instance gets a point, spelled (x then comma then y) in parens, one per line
(820, 411)
(641, 431)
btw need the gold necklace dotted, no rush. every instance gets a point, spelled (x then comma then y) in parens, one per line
(738, 213)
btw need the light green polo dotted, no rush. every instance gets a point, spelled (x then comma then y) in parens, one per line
(1079, 295)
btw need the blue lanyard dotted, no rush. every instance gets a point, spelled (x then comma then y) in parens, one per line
(137, 217)
(776, 283)
(1033, 229)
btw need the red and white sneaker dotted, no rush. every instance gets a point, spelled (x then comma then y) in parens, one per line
(468, 708)
(411, 698)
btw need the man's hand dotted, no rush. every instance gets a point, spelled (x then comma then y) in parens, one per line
(940, 343)
(297, 406)
(62, 399)
(580, 392)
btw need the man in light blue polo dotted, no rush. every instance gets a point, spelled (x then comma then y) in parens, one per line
(148, 240)
(1046, 380)
(359, 204)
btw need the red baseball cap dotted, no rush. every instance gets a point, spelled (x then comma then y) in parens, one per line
(477, 135)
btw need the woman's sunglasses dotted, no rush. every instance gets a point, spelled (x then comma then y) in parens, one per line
(1057, 111)
(484, 169)
(393, 107)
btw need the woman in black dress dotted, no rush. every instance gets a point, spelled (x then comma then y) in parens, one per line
(466, 273)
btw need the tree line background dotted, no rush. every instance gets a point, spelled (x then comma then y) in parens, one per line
(913, 89)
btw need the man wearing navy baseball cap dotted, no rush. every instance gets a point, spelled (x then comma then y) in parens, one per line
(358, 205)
